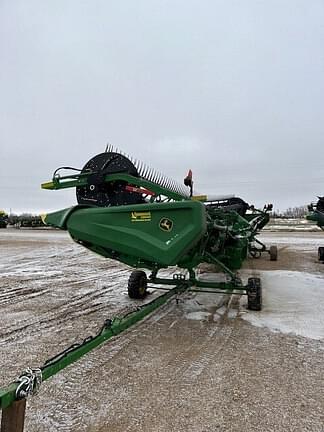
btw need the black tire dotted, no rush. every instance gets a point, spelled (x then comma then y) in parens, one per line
(321, 254)
(273, 253)
(137, 284)
(254, 294)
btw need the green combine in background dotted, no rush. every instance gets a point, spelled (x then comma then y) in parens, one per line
(3, 219)
(130, 213)
(316, 214)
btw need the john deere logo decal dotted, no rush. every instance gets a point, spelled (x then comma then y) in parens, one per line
(141, 216)
(166, 224)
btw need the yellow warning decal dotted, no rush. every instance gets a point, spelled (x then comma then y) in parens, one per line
(199, 197)
(43, 217)
(141, 216)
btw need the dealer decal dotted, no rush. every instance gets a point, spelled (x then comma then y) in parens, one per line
(141, 216)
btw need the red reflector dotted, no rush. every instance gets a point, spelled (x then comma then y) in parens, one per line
(139, 190)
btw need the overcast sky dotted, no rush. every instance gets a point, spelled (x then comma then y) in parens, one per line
(233, 90)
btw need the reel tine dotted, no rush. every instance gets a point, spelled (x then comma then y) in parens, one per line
(156, 174)
(159, 178)
(154, 177)
(178, 189)
(150, 174)
(137, 165)
(146, 172)
(139, 168)
(162, 180)
(142, 169)
(163, 183)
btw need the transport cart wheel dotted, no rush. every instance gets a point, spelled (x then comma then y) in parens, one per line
(137, 284)
(321, 254)
(273, 253)
(254, 294)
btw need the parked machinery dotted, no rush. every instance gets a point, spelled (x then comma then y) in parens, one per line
(316, 214)
(3, 219)
(130, 213)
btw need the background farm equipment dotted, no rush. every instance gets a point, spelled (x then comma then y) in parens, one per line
(130, 213)
(3, 219)
(316, 214)
(25, 220)
(30, 221)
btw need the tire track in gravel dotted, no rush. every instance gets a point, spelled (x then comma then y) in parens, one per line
(97, 360)
(196, 357)
(13, 295)
(188, 362)
(79, 306)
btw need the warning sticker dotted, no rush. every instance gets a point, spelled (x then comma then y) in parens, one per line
(141, 216)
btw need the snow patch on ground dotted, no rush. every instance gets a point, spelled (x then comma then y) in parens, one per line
(293, 240)
(293, 302)
(199, 316)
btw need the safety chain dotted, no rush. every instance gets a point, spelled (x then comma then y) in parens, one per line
(28, 383)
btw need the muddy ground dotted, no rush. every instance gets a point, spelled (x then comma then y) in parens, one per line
(192, 366)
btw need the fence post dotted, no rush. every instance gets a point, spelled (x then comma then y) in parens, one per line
(13, 417)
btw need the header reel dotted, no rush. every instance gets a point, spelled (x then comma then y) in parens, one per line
(113, 178)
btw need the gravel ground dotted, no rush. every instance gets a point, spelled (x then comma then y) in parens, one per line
(192, 366)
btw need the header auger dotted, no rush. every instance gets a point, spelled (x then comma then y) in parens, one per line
(130, 213)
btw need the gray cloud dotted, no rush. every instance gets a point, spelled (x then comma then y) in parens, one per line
(233, 90)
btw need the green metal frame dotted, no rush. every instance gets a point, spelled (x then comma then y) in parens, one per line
(316, 216)
(110, 329)
(76, 180)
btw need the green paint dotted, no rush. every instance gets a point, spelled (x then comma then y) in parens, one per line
(7, 396)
